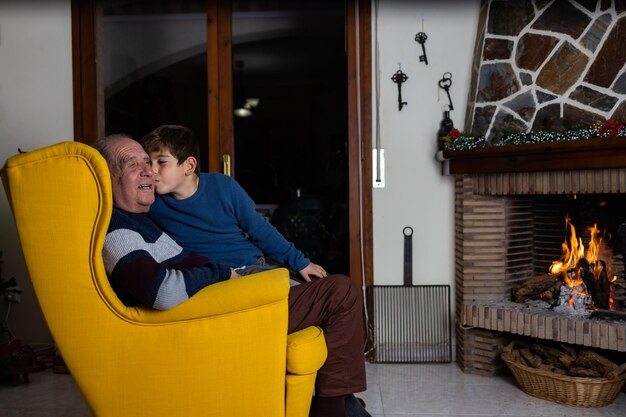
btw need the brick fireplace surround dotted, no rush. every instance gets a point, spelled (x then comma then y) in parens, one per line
(506, 232)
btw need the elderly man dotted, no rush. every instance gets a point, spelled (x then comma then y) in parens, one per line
(145, 266)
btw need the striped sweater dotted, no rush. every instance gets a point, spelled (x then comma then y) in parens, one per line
(146, 267)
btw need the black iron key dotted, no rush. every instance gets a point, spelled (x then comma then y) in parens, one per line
(399, 77)
(421, 39)
(444, 84)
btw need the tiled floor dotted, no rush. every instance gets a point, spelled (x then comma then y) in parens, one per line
(395, 390)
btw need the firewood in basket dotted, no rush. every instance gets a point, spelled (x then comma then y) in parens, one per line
(533, 287)
(553, 369)
(615, 373)
(513, 345)
(531, 359)
(571, 350)
(515, 356)
(584, 372)
(552, 355)
(592, 360)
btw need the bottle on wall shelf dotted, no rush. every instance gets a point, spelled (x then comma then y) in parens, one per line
(445, 127)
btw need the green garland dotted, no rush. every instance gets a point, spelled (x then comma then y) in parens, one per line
(466, 142)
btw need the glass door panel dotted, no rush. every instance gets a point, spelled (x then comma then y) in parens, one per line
(290, 120)
(155, 66)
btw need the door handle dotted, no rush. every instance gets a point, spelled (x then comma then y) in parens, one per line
(226, 164)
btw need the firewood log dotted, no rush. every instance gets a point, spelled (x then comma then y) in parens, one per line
(553, 369)
(592, 360)
(583, 372)
(617, 372)
(531, 359)
(599, 288)
(553, 355)
(516, 357)
(570, 350)
(533, 287)
(511, 346)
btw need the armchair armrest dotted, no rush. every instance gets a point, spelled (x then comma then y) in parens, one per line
(306, 351)
(239, 294)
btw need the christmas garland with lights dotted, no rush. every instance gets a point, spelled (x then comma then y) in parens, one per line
(457, 141)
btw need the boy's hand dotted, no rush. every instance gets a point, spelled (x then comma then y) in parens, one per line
(314, 270)
(233, 274)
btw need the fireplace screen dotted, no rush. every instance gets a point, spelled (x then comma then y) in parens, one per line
(412, 323)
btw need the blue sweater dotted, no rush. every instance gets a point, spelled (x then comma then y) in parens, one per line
(220, 221)
(146, 267)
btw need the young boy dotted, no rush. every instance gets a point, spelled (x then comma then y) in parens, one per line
(210, 214)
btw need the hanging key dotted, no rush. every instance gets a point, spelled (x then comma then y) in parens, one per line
(444, 83)
(399, 77)
(421, 39)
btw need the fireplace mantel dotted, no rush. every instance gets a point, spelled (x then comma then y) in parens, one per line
(549, 156)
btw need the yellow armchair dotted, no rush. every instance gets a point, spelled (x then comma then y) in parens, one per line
(223, 353)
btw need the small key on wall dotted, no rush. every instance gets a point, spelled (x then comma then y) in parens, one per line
(444, 83)
(399, 77)
(421, 39)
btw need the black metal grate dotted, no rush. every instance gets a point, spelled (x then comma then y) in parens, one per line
(412, 324)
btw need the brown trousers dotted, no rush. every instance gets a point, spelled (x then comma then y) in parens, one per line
(335, 304)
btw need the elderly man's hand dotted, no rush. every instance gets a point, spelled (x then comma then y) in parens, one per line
(233, 274)
(313, 270)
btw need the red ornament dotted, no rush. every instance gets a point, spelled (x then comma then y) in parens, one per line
(455, 134)
(610, 128)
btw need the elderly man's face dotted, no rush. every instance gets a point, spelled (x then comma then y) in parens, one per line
(132, 178)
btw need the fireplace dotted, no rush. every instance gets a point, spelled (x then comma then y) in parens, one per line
(510, 209)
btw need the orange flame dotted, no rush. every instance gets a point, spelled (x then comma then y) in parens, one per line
(574, 251)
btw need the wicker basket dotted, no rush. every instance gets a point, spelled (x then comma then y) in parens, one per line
(563, 389)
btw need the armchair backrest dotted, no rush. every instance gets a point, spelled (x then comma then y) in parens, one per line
(61, 200)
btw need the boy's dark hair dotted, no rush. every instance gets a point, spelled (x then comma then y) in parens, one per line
(179, 140)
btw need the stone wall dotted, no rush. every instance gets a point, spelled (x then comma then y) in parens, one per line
(547, 65)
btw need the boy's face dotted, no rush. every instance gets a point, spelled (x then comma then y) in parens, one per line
(170, 176)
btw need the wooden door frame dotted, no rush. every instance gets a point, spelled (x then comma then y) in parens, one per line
(89, 105)
(220, 81)
(359, 48)
(88, 88)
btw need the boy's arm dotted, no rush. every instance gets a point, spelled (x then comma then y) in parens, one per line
(262, 233)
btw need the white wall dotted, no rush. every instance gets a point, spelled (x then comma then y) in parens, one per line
(35, 110)
(415, 192)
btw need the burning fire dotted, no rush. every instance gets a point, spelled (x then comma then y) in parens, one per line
(574, 251)
(576, 260)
